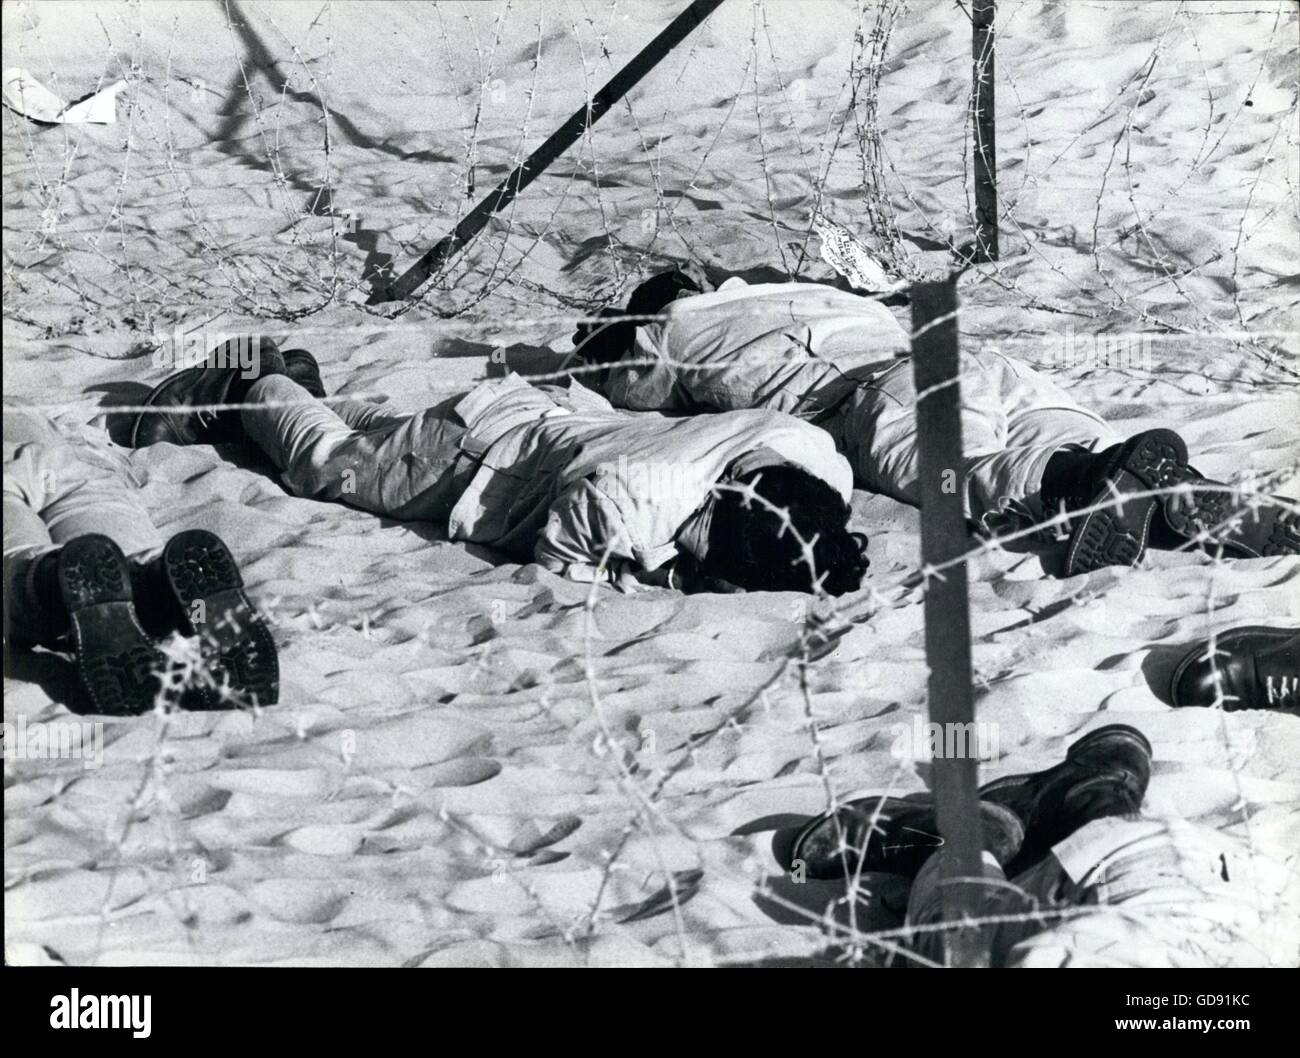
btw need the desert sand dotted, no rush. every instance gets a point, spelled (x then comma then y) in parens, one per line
(468, 765)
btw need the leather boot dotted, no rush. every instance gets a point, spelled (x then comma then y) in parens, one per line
(1217, 520)
(301, 366)
(179, 408)
(892, 835)
(1105, 773)
(1257, 668)
(84, 592)
(1116, 534)
(197, 580)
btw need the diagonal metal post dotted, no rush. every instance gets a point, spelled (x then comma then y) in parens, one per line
(986, 153)
(945, 538)
(536, 163)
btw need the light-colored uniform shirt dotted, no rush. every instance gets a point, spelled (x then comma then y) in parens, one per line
(794, 347)
(568, 481)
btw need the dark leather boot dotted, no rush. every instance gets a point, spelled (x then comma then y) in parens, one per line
(1116, 534)
(1105, 773)
(1257, 667)
(44, 615)
(200, 582)
(84, 589)
(301, 366)
(178, 406)
(1216, 520)
(891, 835)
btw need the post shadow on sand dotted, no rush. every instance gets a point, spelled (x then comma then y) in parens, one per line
(258, 61)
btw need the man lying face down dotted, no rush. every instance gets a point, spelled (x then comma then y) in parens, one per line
(840, 361)
(548, 475)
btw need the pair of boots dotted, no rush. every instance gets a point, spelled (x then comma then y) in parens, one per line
(1022, 817)
(195, 405)
(1105, 773)
(110, 613)
(1189, 508)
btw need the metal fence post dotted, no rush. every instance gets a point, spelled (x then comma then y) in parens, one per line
(944, 540)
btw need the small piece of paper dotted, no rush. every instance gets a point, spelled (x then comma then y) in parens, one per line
(28, 97)
(851, 259)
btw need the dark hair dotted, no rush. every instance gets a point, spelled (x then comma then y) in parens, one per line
(750, 547)
(659, 291)
(606, 343)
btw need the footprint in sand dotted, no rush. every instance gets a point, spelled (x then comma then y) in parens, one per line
(532, 838)
(463, 771)
(306, 901)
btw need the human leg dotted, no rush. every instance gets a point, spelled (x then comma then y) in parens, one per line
(1012, 418)
(83, 572)
(1007, 912)
(405, 468)
(54, 492)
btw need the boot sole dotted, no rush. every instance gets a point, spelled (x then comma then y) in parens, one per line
(1265, 531)
(119, 668)
(1111, 537)
(199, 568)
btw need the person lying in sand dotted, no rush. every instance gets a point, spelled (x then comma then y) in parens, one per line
(71, 519)
(1074, 876)
(1032, 452)
(548, 475)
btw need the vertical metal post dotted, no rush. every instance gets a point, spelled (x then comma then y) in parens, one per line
(986, 154)
(944, 537)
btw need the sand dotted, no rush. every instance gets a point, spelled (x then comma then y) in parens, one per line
(442, 784)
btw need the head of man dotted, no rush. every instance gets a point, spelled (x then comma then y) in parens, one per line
(611, 337)
(655, 294)
(606, 340)
(752, 545)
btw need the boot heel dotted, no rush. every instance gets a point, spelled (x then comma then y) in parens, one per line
(1240, 531)
(119, 667)
(1210, 509)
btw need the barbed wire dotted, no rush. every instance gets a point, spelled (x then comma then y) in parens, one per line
(64, 279)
